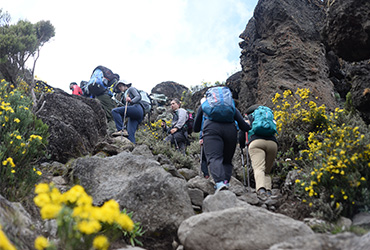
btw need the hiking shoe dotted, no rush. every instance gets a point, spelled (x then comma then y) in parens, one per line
(227, 183)
(120, 133)
(270, 195)
(262, 194)
(220, 186)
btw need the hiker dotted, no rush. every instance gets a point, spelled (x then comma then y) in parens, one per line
(76, 90)
(203, 160)
(219, 136)
(262, 150)
(177, 134)
(132, 110)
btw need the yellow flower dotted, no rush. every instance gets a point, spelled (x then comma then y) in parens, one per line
(363, 179)
(89, 227)
(101, 242)
(345, 197)
(310, 205)
(9, 160)
(4, 242)
(297, 181)
(50, 211)
(42, 188)
(17, 120)
(332, 196)
(41, 243)
(18, 137)
(125, 222)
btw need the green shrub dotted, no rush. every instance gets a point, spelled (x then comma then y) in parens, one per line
(23, 142)
(331, 149)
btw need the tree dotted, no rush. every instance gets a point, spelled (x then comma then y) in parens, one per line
(19, 42)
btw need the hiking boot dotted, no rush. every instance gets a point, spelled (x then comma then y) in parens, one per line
(270, 195)
(220, 186)
(120, 133)
(262, 194)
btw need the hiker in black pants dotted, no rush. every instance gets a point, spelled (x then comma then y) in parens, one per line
(219, 142)
(177, 135)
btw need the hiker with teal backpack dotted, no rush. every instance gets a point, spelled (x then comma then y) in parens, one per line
(219, 133)
(133, 110)
(262, 147)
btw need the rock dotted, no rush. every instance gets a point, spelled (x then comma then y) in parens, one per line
(76, 125)
(18, 225)
(170, 90)
(283, 52)
(362, 219)
(347, 29)
(245, 227)
(342, 241)
(139, 184)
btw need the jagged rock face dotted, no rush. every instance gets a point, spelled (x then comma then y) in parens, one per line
(282, 50)
(170, 89)
(359, 76)
(347, 29)
(76, 124)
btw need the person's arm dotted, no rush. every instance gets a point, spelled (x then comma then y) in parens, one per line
(132, 92)
(241, 123)
(198, 120)
(182, 118)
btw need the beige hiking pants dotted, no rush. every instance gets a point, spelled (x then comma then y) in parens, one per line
(262, 153)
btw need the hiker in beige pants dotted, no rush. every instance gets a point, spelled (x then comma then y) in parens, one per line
(262, 153)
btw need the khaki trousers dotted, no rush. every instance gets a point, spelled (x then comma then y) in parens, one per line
(262, 153)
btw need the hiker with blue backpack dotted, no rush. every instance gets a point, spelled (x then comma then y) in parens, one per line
(100, 87)
(219, 133)
(132, 109)
(177, 134)
(262, 147)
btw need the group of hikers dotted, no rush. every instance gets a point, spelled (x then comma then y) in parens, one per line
(217, 120)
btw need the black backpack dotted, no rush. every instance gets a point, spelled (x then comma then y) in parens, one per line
(189, 122)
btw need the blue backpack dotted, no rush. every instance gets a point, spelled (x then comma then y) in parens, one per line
(102, 80)
(263, 123)
(219, 105)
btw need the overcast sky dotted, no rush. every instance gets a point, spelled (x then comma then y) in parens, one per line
(145, 41)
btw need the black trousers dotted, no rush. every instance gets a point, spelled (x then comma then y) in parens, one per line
(219, 141)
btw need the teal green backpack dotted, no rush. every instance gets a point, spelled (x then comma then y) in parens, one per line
(263, 123)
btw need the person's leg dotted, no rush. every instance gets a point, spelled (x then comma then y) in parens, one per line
(271, 152)
(117, 114)
(230, 140)
(135, 116)
(204, 164)
(107, 104)
(213, 149)
(258, 156)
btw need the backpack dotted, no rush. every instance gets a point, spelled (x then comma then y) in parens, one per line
(101, 80)
(263, 123)
(146, 101)
(189, 122)
(219, 105)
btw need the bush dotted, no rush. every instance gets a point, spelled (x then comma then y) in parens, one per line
(332, 150)
(80, 224)
(23, 142)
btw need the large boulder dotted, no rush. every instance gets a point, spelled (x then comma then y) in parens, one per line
(139, 184)
(170, 89)
(233, 224)
(76, 124)
(347, 29)
(281, 50)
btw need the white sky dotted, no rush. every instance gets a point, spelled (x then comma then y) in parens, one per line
(145, 41)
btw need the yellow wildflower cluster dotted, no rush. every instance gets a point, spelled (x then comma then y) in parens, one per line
(41, 86)
(76, 204)
(291, 107)
(154, 129)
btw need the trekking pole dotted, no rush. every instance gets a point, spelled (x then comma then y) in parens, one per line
(248, 164)
(242, 155)
(123, 123)
(174, 139)
(201, 158)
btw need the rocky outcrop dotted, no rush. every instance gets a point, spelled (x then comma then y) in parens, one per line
(139, 184)
(170, 89)
(18, 225)
(282, 49)
(76, 124)
(347, 29)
